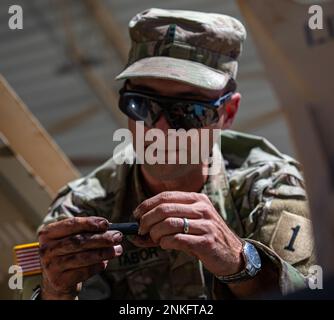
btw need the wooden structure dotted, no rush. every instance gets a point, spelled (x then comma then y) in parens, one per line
(32, 169)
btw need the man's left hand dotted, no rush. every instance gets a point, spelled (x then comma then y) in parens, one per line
(209, 238)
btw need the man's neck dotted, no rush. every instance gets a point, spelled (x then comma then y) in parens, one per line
(193, 181)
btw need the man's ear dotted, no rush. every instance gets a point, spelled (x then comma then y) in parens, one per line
(231, 109)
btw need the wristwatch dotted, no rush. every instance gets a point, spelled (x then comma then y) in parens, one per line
(253, 265)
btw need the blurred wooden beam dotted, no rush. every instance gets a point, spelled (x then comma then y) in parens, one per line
(74, 120)
(22, 185)
(24, 200)
(107, 96)
(29, 139)
(112, 32)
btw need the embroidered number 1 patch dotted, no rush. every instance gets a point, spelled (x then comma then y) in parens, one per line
(292, 239)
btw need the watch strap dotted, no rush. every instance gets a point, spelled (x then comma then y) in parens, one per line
(247, 273)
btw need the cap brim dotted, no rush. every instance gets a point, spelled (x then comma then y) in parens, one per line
(186, 71)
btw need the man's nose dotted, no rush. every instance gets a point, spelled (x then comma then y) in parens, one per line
(162, 124)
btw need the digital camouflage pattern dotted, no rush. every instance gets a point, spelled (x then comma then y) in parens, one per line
(259, 192)
(198, 48)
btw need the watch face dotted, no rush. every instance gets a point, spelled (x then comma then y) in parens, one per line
(253, 257)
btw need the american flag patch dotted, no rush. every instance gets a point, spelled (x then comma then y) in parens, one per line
(27, 257)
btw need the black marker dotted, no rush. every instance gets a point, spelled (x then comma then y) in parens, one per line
(126, 228)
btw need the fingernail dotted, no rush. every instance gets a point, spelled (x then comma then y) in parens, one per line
(118, 237)
(103, 224)
(118, 250)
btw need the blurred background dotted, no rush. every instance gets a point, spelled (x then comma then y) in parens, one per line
(62, 65)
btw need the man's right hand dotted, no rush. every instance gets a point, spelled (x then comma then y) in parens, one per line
(73, 250)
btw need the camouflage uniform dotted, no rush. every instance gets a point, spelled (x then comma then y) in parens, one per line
(259, 192)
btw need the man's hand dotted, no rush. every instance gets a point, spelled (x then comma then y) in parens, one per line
(73, 250)
(209, 238)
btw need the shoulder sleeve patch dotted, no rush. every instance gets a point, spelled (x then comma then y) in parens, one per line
(292, 238)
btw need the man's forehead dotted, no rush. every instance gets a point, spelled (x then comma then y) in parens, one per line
(168, 87)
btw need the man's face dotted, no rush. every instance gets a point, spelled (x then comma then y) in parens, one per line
(175, 89)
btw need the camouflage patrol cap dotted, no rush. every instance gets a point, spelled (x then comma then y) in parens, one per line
(197, 48)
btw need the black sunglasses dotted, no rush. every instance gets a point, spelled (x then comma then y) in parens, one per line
(180, 113)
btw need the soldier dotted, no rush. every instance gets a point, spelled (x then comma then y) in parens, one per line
(238, 233)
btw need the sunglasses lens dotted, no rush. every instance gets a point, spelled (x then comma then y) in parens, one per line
(140, 108)
(191, 115)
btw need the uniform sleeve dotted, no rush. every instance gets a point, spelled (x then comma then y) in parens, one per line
(285, 241)
(286, 231)
(77, 198)
(274, 212)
